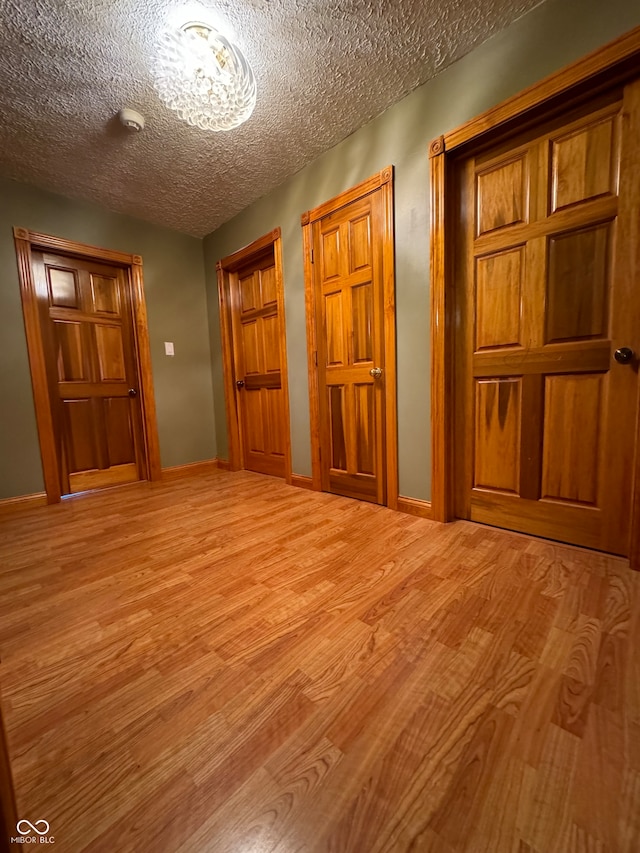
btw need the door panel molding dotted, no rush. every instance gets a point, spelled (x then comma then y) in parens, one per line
(382, 181)
(225, 269)
(606, 68)
(25, 242)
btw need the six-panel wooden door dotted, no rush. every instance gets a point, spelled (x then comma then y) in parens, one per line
(545, 296)
(349, 308)
(257, 332)
(92, 371)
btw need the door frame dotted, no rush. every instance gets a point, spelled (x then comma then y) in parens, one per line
(612, 65)
(8, 807)
(382, 181)
(26, 241)
(224, 269)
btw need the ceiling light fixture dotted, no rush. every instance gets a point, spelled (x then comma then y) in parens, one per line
(205, 78)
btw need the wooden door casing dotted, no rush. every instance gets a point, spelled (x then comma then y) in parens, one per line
(35, 292)
(544, 296)
(91, 361)
(8, 808)
(252, 323)
(257, 329)
(351, 337)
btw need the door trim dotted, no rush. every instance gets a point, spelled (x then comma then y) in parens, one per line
(8, 806)
(25, 241)
(224, 268)
(383, 181)
(614, 64)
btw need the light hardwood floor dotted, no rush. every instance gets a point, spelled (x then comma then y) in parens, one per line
(229, 664)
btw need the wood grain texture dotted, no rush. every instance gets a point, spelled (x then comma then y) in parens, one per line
(48, 242)
(413, 506)
(256, 300)
(391, 393)
(616, 61)
(89, 337)
(228, 371)
(302, 482)
(8, 812)
(37, 366)
(583, 164)
(10, 505)
(117, 475)
(190, 469)
(312, 353)
(242, 256)
(441, 344)
(349, 327)
(370, 681)
(285, 411)
(538, 381)
(569, 212)
(630, 264)
(352, 194)
(145, 371)
(132, 271)
(350, 314)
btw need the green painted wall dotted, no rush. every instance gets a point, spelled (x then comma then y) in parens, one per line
(176, 305)
(554, 34)
(551, 36)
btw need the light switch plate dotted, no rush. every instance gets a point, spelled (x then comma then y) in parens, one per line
(168, 348)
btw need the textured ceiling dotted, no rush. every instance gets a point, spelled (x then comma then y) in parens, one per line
(322, 68)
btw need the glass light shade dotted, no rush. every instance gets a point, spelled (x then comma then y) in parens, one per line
(204, 78)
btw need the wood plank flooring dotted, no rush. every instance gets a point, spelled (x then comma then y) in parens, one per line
(226, 664)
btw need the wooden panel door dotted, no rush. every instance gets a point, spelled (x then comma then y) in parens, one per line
(349, 309)
(92, 371)
(258, 332)
(545, 415)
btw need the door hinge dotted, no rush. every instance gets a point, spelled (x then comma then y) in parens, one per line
(315, 358)
(312, 256)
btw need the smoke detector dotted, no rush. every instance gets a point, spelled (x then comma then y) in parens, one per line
(131, 119)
